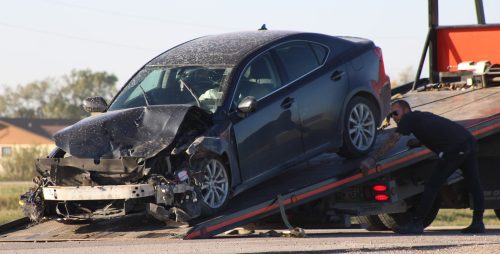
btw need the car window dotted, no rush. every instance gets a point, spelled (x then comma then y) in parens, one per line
(259, 79)
(298, 58)
(165, 85)
(320, 52)
(151, 81)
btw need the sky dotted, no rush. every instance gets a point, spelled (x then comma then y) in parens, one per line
(49, 38)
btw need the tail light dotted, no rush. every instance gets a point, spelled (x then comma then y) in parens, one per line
(378, 52)
(381, 194)
(379, 187)
(382, 197)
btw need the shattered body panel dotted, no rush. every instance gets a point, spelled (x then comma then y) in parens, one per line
(136, 132)
(123, 147)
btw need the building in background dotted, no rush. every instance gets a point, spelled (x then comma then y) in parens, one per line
(26, 132)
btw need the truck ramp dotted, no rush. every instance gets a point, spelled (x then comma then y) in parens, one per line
(128, 227)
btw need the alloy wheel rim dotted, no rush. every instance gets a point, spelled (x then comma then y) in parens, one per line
(215, 186)
(361, 127)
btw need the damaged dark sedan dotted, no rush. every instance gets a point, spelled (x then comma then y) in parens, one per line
(211, 118)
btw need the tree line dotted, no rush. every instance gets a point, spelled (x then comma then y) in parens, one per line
(57, 97)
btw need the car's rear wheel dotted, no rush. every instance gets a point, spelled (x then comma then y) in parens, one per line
(371, 223)
(360, 128)
(215, 185)
(497, 212)
(393, 220)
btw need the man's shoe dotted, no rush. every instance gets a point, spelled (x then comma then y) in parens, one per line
(412, 228)
(474, 228)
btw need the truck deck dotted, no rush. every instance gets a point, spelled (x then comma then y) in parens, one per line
(478, 110)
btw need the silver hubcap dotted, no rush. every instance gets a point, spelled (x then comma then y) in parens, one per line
(215, 184)
(361, 127)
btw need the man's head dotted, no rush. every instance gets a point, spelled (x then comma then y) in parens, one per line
(398, 109)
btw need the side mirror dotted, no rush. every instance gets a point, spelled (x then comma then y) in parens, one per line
(247, 105)
(94, 104)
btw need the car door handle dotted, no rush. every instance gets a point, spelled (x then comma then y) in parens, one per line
(287, 103)
(337, 75)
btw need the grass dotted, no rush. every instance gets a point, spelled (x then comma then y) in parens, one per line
(462, 217)
(9, 200)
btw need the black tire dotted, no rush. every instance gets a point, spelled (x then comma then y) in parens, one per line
(371, 223)
(352, 147)
(210, 203)
(392, 220)
(497, 212)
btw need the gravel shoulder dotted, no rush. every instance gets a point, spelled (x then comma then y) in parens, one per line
(435, 240)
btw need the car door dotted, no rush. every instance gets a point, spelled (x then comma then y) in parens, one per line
(320, 93)
(269, 139)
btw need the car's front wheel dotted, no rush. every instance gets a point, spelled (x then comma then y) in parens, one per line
(215, 185)
(360, 128)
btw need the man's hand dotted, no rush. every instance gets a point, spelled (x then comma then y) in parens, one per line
(413, 143)
(366, 164)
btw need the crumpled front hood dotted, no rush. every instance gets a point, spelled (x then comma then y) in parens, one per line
(135, 132)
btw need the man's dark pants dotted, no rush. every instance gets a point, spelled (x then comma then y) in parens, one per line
(463, 156)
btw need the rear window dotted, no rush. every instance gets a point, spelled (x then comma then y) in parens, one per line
(320, 52)
(299, 58)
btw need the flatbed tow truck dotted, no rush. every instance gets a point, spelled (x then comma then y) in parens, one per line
(332, 186)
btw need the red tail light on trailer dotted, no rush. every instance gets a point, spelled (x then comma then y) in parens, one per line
(379, 187)
(382, 197)
(380, 192)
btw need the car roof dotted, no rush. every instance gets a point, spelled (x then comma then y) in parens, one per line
(223, 49)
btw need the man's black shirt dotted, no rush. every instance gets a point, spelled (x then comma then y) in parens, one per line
(436, 132)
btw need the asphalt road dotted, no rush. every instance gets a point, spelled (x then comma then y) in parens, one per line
(435, 240)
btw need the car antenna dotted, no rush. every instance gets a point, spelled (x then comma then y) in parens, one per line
(263, 28)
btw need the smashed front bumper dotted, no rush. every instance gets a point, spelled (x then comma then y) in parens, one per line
(98, 202)
(72, 171)
(106, 192)
(74, 188)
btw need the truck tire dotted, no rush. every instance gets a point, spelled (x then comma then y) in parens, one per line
(360, 128)
(393, 220)
(497, 212)
(371, 223)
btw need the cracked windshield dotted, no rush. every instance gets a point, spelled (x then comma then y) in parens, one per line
(162, 85)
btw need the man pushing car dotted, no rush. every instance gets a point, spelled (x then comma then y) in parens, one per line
(455, 147)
